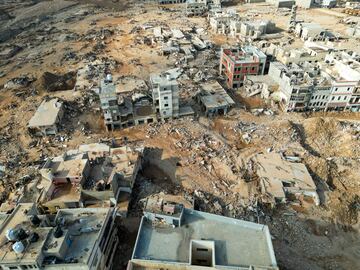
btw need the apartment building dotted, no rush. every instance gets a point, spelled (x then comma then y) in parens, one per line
(165, 95)
(73, 239)
(329, 85)
(236, 63)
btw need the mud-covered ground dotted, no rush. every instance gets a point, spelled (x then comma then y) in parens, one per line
(201, 158)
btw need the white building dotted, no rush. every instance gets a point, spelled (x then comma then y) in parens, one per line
(165, 93)
(47, 117)
(329, 85)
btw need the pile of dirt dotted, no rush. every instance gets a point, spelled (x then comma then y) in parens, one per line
(53, 82)
(329, 137)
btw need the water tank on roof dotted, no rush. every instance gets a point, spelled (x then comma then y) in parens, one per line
(109, 77)
(18, 247)
(10, 235)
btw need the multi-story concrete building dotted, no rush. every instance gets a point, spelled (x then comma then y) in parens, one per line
(165, 94)
(236, 63)
(174, 237)
(329, 85)
(109, 103)
(74, 239)
(125, 110)
(250, 29)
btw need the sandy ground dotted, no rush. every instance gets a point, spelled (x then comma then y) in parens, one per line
(201, 154)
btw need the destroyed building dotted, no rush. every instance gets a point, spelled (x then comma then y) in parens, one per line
(122, 110)
(47, 118)
(236, 63)
(282, 180)
(74, 239)
(172, 236)
(313, 32)
(196, 7)
(213, 99)
(94, 174)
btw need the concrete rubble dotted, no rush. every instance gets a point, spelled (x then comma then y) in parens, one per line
(167, 134)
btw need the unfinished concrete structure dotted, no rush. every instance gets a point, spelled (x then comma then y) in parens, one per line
(95, 174)
(47, 118)
(201, 240)
(165, 94)
(283, 181)
(235, 63)
(213, 99)
(74, 239)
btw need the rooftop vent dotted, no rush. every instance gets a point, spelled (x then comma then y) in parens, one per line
(202, 253)
(34, 237)
(109, 78)
(35, 220)
(58, 232)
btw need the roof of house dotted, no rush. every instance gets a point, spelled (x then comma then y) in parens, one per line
(46, 114)
(73, 221)
(274, 171)
(214, 95)
(238, 243)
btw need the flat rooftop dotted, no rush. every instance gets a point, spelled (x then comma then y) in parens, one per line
(244, 54)
(275, 171)
(19, 219)
(214, 95)
(237, 242)
(74, 167)
(46, 114)
(82, 225)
